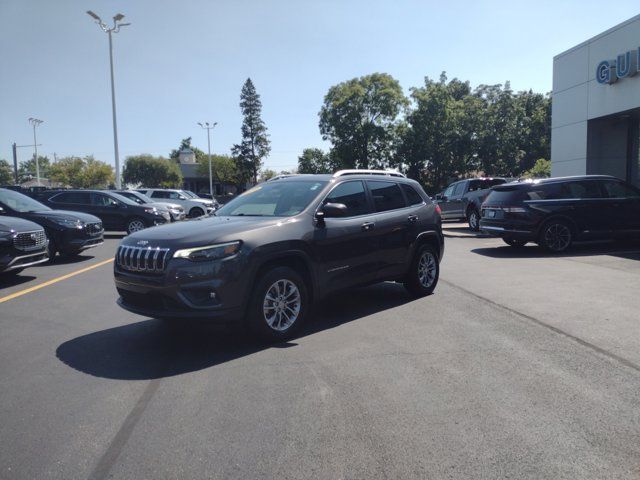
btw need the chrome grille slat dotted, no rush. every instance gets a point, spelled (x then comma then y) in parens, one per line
(32, 240)
(142, 259)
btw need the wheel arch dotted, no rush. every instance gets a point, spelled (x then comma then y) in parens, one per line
(296, 260)
(565, 218)
(431, 238)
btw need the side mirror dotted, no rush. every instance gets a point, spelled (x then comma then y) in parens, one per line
(438, 196)
(334, 210)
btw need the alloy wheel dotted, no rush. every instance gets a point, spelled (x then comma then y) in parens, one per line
(473, 220)
(427, 269)
(281, 305)
(557, 237)
(135, 226)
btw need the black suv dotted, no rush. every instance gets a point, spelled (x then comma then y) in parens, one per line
(462, 200)
(69, 233)
(267, 254)
(554, 212)
(116, 212)
(22, 244)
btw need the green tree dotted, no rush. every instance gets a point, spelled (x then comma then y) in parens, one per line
(255, 145)
(6, 173)
(267, 174)
(359, 117)
(84, 172)
(541, 169)
(27, 169)
(314, 160)
(223, 167)
(152, 172)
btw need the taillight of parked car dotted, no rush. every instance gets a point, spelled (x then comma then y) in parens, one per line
(438, 209)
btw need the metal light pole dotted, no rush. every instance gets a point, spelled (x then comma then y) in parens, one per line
(35, 122)
(208, 128)
(115, 29)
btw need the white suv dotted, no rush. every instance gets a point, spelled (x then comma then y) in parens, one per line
(195, 207)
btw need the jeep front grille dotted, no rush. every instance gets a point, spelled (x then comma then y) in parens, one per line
(142, 259)
(27, 241)
(94, 228)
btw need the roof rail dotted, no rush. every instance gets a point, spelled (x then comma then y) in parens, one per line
(387, 173)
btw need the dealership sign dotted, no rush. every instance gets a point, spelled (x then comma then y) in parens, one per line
(625, 65)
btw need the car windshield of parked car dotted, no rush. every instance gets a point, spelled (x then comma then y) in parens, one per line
(123, 199)
(277, 199)
(139, 198)
(189, 193)
(20, 203)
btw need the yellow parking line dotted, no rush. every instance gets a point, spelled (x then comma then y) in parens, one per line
(51, 282)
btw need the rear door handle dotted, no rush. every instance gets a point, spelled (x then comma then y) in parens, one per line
(365, 227)
(412, 218)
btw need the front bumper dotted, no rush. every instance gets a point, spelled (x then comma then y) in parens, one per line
(213, 291)
(10, 261)
(73, 240)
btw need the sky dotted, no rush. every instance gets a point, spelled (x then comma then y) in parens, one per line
(180, 63)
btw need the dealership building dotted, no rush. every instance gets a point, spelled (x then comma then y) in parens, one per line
(596, 106)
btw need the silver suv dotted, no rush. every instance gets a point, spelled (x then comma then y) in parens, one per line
(195, 207)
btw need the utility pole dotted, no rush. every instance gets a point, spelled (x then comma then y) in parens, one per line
(14, 148)
(115, 29)
(208, 128)
(35, 123)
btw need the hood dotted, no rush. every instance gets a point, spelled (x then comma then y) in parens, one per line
(201, 231)
(206, 201)
(62, 215)
(15, 224)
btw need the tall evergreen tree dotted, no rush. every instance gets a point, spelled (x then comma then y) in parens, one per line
(255, 144)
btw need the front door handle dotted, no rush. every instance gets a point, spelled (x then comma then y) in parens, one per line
(365, 227)
(412, 218)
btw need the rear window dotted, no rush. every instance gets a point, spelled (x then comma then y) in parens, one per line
(505, 196)
(413, 197)
(386, 195)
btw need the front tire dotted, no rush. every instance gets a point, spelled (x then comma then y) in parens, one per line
(474, 220)
(52, 249)
(424, 272)
(279, 304)
(196, 212)
(556, 236)
(134, 225)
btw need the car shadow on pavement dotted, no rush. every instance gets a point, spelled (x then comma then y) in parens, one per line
(68, 260)
(7, 281)
(154, 349)
(628, 250)
(115, 235)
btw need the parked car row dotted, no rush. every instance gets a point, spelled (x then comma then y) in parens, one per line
(32, 233)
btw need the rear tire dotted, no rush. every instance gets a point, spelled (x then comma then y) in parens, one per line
(556, 236)
(512, 242)
(196, 212)
(424, 272)
(474, 220)
(135, 224)
(278, 305)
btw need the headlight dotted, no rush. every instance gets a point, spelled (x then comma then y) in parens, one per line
(152, 211)
(67, 222)
(210, 252)
(6, 236)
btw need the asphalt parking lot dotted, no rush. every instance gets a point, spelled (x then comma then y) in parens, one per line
(521, 365)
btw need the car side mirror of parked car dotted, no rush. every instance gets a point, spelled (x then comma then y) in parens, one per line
(334, 210)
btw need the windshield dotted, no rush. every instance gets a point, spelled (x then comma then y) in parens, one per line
(123, 199)
(139, 198)
(278, 199)
(19, 202)
(189, 193)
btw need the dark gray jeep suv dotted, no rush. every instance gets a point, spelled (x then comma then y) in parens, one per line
(269, 253)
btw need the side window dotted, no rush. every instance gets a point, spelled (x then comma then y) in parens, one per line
(71, 197)
(477, 185)
(159, 194)
(459, 190)
(620, 190)
(102, 200)
(413, 197)
(585, 189)
(449, 191)
(386, 195)
(553, 191)
(175, 196)
(352, 195)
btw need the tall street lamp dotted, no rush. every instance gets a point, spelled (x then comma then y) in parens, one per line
(208, 128)
(115, 29)
(36, 122)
